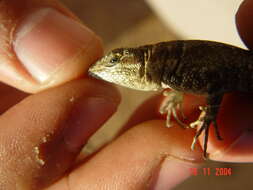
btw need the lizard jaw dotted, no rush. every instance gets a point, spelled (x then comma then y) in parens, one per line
(90, 73)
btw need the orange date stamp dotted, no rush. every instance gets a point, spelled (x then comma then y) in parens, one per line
(211, 171)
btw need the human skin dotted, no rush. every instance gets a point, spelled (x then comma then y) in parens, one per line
(42, 134)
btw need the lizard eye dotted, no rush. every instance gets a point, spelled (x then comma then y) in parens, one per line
(112, 62)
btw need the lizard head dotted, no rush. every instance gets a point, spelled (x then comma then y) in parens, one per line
(125, 67)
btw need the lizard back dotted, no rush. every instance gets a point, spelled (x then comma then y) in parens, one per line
(201, 66)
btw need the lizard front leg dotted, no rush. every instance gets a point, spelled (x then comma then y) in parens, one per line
(208, 116)
(171, 105)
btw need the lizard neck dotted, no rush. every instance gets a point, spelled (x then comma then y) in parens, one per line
(164, 62)
(144, 54)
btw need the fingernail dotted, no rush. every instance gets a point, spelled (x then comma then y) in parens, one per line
(46, 39)
(172, 171)
(86, 117)
(239, 151)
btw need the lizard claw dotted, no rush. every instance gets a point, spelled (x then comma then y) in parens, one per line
(171, 104)
(200, 120)
(205, 119)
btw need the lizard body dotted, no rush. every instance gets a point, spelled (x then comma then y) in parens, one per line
(192, 66)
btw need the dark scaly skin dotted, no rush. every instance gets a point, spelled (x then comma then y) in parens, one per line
(192, 66)
(201, 67)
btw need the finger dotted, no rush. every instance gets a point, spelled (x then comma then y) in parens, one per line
(244, 22)
(41, 136)
(148, 155)
(43, 45)
(234, 120)
(235, 125)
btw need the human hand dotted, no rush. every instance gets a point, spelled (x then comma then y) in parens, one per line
(41, 136)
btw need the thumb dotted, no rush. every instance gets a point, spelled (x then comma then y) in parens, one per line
(43, 45)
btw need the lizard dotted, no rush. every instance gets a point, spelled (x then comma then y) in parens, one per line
(201, 67)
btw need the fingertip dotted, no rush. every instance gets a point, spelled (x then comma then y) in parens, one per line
(49, 55)
(244, 22)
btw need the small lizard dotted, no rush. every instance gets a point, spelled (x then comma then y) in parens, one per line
(191, 66)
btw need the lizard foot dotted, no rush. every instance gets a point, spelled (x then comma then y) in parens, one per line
(200, 120)
(172, 104)
(205, 119)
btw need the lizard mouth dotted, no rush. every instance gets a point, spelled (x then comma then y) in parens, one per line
(90, 73)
